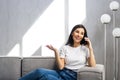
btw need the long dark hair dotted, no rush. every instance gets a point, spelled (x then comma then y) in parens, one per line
(70, 38)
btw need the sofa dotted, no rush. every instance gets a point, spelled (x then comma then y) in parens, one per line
(12, 68)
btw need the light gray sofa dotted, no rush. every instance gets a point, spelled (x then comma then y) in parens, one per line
(12, 68)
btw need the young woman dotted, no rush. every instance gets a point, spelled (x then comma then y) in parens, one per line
(76, 53)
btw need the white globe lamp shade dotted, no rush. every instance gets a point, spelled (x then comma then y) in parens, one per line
(116, 32)
(114, 5)
(105, 18)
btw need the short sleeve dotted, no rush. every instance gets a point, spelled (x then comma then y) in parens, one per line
(62, 52)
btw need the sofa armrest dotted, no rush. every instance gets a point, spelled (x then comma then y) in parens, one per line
(91, 73)
(10, 68)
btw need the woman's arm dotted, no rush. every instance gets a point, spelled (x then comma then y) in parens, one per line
(60, 61)
(91, 59)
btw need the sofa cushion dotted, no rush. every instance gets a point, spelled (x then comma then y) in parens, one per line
(32, 63)
(92, 73)
(10, 68)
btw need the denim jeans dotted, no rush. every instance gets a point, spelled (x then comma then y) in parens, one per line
(47, 74)
(67, 74)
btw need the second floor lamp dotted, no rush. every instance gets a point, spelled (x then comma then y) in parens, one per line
(116, 34)
(105, 19)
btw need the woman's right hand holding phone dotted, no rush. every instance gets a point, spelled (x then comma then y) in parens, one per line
(89, 45)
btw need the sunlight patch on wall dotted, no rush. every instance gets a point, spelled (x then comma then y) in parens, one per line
(48, 29)
(77, 12)
(15, 51)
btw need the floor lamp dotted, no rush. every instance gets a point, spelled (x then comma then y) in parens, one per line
(105, 19)
(116, 34)
(114, 6)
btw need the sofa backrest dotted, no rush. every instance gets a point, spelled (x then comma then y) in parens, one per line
(10, 68)
(32, 63)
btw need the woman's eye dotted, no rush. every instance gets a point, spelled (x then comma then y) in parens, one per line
(82, 33)
(77, 31)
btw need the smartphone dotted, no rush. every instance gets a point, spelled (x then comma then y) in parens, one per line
(85, 42)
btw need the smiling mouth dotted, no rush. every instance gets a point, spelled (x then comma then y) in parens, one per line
(78, 39)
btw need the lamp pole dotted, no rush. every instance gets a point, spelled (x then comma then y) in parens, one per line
(114, 51)
(116, 57)
(105, 53)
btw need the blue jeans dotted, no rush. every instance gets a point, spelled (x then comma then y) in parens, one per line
(46, 74)
(67, 74)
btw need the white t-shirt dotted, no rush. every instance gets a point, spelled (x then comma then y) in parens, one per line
(75, 57)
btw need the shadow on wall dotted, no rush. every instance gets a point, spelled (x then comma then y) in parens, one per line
(19, 16)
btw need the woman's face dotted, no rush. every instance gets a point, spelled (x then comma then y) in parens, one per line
(78, 35)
